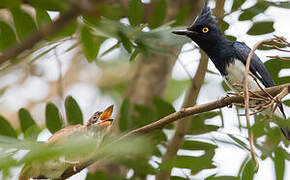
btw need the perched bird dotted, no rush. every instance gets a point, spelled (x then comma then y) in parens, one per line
(229, 57)
(97, 127)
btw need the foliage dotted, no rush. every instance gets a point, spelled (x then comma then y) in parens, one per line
(135, 34)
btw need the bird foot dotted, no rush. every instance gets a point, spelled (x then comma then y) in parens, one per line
(71, 162)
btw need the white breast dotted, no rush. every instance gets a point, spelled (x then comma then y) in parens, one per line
(235, 75)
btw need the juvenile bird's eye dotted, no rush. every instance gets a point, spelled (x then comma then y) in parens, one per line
(205, 30)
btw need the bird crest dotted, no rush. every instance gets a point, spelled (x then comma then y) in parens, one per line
(205, 17)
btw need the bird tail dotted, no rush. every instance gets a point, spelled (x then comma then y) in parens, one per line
(286, 133)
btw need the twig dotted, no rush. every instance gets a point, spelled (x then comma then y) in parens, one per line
(246, 101)
(280, 58)
(275, 47)
(261, 88)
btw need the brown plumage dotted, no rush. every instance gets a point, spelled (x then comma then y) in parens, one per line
(97, 126)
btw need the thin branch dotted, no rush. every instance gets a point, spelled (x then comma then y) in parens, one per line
(280, 58)
(275, 47)
(246, 101)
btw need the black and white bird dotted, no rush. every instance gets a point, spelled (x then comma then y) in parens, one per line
(229, 57)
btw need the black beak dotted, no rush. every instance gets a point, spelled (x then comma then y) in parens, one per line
(183, 32)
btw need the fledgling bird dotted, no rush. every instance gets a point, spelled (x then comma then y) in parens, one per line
(229, 57)
(97, 127)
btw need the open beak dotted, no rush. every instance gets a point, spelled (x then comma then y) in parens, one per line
(183, 32)
(105, 119)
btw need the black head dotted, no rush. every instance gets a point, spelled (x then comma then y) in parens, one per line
(204, 30)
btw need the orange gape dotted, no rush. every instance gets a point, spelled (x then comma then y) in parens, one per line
(105, 116)
(107, 113)
(107, 123)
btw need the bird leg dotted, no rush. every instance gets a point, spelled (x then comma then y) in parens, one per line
(74, 163)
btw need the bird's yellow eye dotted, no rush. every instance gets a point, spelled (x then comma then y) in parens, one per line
(205, 30)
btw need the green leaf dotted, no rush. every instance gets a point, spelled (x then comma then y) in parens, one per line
(73, 111)
(6, 129)
(53, 118)
(279, 4)
(6, 161)
(90, 43)
(144, 115)
(96, 175)
(197, 145)
(51, 5)
(237, 4)
(42, 18)
(275, 66)
(273, 139)
(259, 129)
(240, 142)
(133, 55)
(225, 86)
(213, 177)
(31, 133)
(175, 89)
(7, 36)
(279, 162)
(159, 14)
(287, 102)
(115, 46)
(67, 31)
(248, 171)
(125, 115)
(196, 164)
(177, 178)
(249, 13)
(125, 41)
(262, 27)
(135, 12)
(163, 108)
(181, 16)
(140, 165)
(25, 119)
(9, 3)
(198, 125)
(112, 12)
(224, 26)
(231, 38)
(158, 136)
(23, 22)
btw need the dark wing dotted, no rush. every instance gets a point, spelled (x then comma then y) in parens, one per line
(257, 67)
